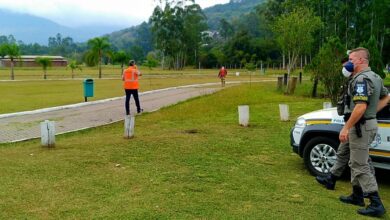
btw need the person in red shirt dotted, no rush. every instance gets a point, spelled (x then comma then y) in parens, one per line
(222, 74)
(131, 86)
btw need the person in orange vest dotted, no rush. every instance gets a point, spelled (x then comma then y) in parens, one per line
(222, 74)
(131, 86)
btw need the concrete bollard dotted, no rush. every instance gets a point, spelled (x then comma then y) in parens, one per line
(48, 133)
(243, 115)
(284, 112)
(129, 126)
(327, 105)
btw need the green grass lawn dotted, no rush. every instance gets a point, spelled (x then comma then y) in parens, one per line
(35, 94)
(111, 71)
(187, 161)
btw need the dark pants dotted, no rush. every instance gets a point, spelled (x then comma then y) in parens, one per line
(130, 92)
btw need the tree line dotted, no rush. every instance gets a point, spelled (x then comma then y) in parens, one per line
(277, 33)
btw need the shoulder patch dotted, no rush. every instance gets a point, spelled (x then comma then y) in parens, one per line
(360, 92)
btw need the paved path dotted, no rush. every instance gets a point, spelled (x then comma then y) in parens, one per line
(25, 125)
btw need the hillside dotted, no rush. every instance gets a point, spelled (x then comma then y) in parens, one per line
(136, 39)
(29, 28)
(26, 27)
(140, 35)
(233, 9)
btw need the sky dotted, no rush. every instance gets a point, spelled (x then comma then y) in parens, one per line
(79, 13)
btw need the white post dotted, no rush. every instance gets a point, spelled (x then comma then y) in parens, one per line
(129, 126)
(284, 112)
(327, 105)
(48, 133)
(243, 115)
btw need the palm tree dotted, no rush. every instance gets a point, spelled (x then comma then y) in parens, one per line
(99, 46)
(44, 62)
(121, 58)
(13, 52)
(73, 65)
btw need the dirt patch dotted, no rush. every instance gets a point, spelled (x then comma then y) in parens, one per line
(191, 131)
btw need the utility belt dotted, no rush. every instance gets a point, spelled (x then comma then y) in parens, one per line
(358, 124)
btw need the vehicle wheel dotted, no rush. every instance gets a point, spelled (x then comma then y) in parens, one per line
(320, 155)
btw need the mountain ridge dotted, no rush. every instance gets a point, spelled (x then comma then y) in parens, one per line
(232, 10)
(229, 11)
(28, 28)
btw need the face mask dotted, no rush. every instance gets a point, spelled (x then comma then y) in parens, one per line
(346, 73)
(349, 66)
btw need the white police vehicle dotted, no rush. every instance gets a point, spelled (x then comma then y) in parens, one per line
(315, 137)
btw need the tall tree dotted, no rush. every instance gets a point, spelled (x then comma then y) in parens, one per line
(326, 67)
(376, 63)
(120, 57)
(294, 33)
(99, 47)
(240, 48)
(194, 25)
(73, 65)
(177, 30)
(33, 49)
(44, 62)
(58, 45)
(13, 52)
(167, 27)
(151, 60)
(226, 30)
(2, 50)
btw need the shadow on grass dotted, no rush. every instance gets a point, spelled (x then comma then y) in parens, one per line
(382, 176)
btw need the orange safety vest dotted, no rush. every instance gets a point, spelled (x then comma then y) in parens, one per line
(130, 78)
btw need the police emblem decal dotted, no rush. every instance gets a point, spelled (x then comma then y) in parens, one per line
(360, 89)
(360, 92)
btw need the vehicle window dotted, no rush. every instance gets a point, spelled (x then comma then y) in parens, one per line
(384, 114)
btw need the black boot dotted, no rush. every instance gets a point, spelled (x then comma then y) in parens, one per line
(356, 198)
(328, 181)
(376, 208)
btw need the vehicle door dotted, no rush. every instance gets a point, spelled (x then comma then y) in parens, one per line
(382, 140)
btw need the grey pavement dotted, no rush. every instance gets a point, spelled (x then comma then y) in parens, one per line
(26, 125)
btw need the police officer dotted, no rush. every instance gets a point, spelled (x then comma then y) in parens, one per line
(343, 152)
(367, 93)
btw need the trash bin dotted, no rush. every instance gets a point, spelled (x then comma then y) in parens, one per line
(88, 88)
